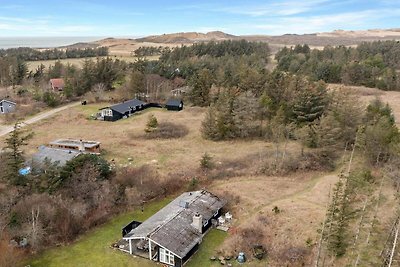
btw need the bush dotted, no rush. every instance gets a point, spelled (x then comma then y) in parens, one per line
(99, 165)
(167, 130)
(206, 161)
(152, 124)
(144, 183)
(244, 240)
(294, 255)
(193, 184)
(9, 256)
(313, 160)
(132, 177)
(51, 99)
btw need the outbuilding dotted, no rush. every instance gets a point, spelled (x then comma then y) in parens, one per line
(57, 85)
(7, 106)
(174, 104)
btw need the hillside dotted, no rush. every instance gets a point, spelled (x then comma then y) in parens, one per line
(123, 46)
(187, 37)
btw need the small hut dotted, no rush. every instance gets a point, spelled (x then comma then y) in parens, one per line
(174, 104)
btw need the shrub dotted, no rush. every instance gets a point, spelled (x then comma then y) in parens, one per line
(51, 99)
(167, 130)
(134, 176)
(294, 255)
(206, 161)
(313, 160)
(276, 210)
(193, 184)
(99, 165)
(9, 256)
(152, 124)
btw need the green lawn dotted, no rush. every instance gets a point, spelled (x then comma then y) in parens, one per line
(210, 242)
(93, 249)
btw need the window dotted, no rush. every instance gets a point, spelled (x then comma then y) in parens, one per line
(216, 213)
(107, 112)
(166, 257)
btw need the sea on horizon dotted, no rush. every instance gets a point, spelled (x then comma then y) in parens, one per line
(43, 42)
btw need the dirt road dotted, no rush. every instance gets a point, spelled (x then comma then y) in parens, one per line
(4, 130)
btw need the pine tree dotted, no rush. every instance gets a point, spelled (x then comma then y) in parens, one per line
(209, 125)
(244, 115)
(311, 104)
(337, 239)
(15, 159)
(201, 84)
(152, 124)
(137, 84)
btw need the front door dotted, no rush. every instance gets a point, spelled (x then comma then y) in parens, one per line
(1, 109)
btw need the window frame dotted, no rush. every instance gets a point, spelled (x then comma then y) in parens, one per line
(107, 113)
(166, 256)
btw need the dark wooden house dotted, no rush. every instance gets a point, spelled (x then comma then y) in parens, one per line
(122, 110)
(174, 104)
(173, 234)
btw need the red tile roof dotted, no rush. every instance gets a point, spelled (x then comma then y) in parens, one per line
(57, 83)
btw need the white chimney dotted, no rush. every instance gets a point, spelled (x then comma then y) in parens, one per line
(198, 222)
(81, 146)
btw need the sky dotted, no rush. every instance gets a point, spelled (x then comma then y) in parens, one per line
(126, 18)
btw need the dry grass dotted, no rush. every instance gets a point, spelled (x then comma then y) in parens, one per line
(301, 197)
(367, 94)
(125, 47)
(119, 144)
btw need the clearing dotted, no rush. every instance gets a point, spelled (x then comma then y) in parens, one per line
(301, 197)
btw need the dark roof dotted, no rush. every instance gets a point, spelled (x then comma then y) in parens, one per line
(178, 235)
(174, 102)
(126, 106)
(172, 228)
(61, 156)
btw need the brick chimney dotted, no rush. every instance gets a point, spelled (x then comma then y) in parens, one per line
(198, 222)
